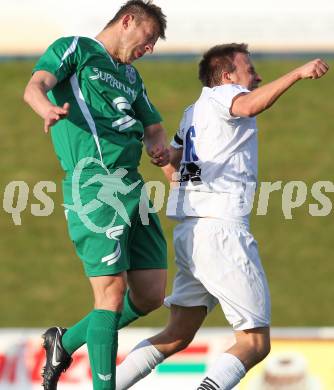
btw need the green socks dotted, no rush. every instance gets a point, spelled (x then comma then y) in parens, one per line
(76, 336)
(102, 348)
(129, 313)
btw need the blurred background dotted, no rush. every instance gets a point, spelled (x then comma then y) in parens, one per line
(42, 283)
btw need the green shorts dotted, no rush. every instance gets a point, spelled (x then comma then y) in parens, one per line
(107, 230)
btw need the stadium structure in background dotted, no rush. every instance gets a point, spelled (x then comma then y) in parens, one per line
(192, 26)
(301, 358)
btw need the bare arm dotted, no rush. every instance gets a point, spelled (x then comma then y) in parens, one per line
(262, 98)
(155, 142)
(175, 156)
(35, 95)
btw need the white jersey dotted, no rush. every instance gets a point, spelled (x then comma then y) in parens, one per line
(218, 173)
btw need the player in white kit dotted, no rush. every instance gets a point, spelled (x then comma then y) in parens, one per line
(215, 154)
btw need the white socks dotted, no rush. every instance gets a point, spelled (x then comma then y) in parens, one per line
(224, 374)
(138, 364)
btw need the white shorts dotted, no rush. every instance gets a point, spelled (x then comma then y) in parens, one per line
(218, 261)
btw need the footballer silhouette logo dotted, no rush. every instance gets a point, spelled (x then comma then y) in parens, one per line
(111, 185)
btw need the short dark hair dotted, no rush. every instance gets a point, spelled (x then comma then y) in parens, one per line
(219, 59)
(142, 9)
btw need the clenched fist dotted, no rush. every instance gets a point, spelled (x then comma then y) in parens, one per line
(159, 154)
(313, 69)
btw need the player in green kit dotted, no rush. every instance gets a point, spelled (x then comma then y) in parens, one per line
(96, 103)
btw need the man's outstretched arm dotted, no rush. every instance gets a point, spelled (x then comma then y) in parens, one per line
(262, 98)
(35, 95)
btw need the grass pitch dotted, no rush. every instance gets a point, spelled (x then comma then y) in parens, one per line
(42, 282)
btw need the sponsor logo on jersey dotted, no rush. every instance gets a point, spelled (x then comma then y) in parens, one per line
(113, 82)
(130, 74)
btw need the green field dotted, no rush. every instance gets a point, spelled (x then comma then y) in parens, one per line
(42, 282)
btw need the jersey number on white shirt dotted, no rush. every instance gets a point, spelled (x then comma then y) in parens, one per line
(190, 170)
(190, 152)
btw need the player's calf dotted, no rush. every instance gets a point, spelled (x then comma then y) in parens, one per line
(173, 339)
(251, 347)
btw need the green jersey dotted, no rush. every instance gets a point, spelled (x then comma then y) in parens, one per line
(109, 105)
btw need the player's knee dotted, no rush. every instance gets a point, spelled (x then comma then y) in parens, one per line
(110, 295)
(264, 350)
(260, 347)
(150, 302)
(153, 303)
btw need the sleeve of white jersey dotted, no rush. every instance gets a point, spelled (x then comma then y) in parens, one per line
(225, 95)
(177, 141)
